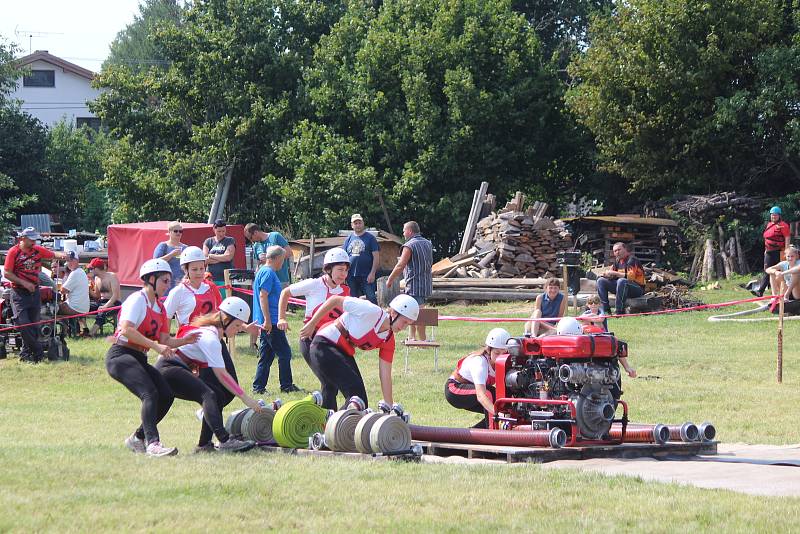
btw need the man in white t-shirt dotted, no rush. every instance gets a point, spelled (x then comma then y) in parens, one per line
(75, 289)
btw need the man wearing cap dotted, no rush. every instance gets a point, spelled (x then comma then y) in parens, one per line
(75, 288)
(364, 252)
(219, 251)
(262, 240)
(22, 267)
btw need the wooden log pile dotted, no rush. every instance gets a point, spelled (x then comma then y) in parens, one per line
(706, 209)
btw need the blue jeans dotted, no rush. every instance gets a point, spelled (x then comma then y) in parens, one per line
(271, 344)
(621, 287)
(359, 286)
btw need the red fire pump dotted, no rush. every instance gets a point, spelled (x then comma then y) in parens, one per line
(571, 382)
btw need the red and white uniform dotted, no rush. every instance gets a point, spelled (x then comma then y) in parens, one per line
(476, 369)
(185, 302)
(361, 321)
(149, 319)
(316, 291)
(206, 351)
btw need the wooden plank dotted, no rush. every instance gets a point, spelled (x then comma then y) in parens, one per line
(330, 454)
(477, 204)
(460, 263)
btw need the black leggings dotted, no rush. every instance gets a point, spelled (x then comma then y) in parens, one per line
(771, 257)
(463, 397)
(189, 387)
(336, 371)
(329, 391)
(224, 397)
(130, 368)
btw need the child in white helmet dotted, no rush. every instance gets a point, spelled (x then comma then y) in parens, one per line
(471, 386)
(365, 326)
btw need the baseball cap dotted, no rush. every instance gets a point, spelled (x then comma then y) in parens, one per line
(97, 262)
(219, 223)
(30, 232)
(356, 217)
(72, 255)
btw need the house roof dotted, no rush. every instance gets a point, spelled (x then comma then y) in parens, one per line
(44, 55)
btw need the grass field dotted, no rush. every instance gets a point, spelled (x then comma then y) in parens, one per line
(63, 465)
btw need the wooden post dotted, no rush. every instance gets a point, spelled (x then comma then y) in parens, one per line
(779, 369)
(232, 339)
(311, 250)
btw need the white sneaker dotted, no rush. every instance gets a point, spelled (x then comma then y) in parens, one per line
(235, 445)
(157, 450)
(135, 444)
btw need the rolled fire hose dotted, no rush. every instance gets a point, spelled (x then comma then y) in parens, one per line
(686, 432)
(388, 434)
(234, 423)
(362, 431)
(257, 426)
(298, 420)
(340, 430)
(555, 437)
(643, 434)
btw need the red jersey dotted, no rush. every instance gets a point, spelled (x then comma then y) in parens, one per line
(151, 326)
(775, 235)
(205, 302)
(369, 341)
(26, 264)
(334, 313)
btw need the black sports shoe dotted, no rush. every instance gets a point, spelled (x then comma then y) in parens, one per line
(291, 388)
(261, 391)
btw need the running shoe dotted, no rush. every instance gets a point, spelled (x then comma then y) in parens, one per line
(157, 450)
(208, 447)
(135, 444)
(291, 388)
(235, 445)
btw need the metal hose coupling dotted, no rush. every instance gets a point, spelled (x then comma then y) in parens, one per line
(298, 420)
(356, 403)
(707, 431)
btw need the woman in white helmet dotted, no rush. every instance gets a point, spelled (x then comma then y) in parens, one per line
(471, 386)
(144, 325)
(365, 326)
(194, 296)
(198, 372)
(335, 266)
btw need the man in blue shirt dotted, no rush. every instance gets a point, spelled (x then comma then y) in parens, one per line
(262, 240)
(364, 252)
(266, 293)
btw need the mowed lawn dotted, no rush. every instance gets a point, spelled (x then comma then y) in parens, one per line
(63, 465)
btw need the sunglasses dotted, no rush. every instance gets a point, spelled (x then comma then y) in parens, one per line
(177, 231)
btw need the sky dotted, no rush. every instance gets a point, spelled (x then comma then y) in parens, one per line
(78, 31)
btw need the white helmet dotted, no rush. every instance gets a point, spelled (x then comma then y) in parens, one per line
(336, 255)
(497, 338)
(236, 308)
(568, 325)
(153, 267)
(405, 305)
(192, 254)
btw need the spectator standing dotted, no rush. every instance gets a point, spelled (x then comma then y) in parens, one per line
(75, 288)
(22, 267)
(106, 291)
(170, 251)
(266, 295)
(262, 241)
(219, 251)
(364, 252)
(625, 279)
(776, 238)
(416, 260)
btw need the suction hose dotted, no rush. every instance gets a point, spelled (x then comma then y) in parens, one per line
(555, 437)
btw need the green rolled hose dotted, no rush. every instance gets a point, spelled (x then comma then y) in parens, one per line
(296, 421)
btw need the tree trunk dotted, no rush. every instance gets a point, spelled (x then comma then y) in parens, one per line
(708, 261)
(744, 268)
(723, 256)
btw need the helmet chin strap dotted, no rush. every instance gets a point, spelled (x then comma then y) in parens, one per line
(223, 323)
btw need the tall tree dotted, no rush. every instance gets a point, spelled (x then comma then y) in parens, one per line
(687, 96)
(134, 46)
(423, 101)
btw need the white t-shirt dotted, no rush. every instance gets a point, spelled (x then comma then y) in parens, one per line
(784, 266)
(181, 302)
(207, 349)
(77, 284)
(315, 290)
(476, 369)
(134, 310)
(359, 317)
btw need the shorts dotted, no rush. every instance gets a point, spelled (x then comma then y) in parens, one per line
(420, 300)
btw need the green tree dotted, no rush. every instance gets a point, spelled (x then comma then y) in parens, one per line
(135, 47)
(690, 96)
(423, 101)
(228, 95)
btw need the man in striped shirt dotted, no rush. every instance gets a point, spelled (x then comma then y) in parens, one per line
(415, 262)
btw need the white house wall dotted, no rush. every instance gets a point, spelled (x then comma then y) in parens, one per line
(52, 104)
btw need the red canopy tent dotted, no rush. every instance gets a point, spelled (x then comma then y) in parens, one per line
(129, 245)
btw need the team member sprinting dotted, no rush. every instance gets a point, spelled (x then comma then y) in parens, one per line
(143, 325)
(316, 291)
(214, 389)
(194, 296)
(365, 326)
(471, 386)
